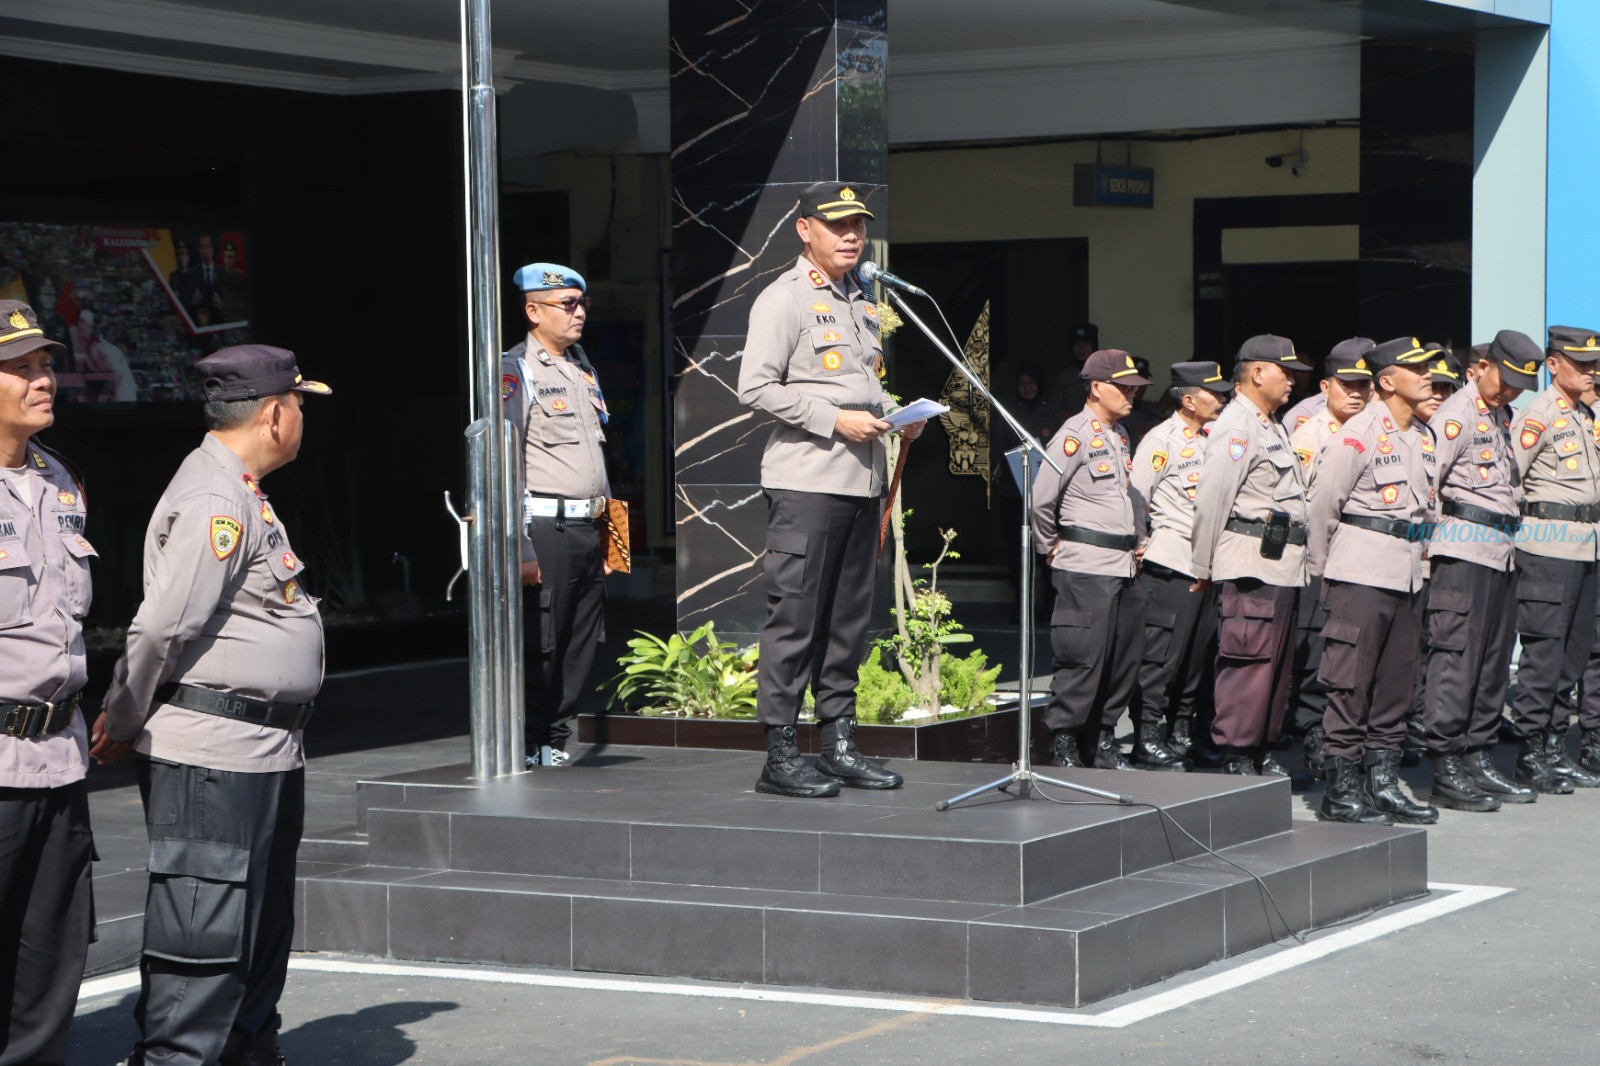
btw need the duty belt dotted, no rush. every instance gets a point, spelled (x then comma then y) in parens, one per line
(537, 506)
(239, 708)
(1166, 573)
(1562, 512)
(1297, 534)
(25, 720)
(1120, 541)
(1394, 527)
(873, 409)
(1505, 523)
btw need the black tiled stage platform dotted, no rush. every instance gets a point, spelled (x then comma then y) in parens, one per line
(665, 862)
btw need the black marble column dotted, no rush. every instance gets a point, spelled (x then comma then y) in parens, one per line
(768, 96)
(1416, 189)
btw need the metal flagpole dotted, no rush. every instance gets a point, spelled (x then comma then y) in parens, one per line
(493, 493)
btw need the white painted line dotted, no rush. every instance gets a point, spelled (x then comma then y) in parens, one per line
(366, 671)
(1455, 898)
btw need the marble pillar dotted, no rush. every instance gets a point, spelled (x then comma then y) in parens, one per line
(768, 96)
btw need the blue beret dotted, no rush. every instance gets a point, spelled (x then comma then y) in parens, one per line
(539, 277)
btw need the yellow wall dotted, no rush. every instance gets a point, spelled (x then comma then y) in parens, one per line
(1141, 262)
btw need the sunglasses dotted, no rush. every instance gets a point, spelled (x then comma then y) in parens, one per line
(570, 305)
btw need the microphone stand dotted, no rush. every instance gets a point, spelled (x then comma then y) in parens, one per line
(1022, 774)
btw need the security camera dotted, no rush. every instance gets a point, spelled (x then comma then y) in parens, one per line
(1275, 161)
(1298, 161)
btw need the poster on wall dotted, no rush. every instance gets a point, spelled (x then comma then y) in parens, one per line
(134, 306)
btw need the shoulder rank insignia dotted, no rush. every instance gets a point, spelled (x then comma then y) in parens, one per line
(1188, 433)
(38, 461)
(225, 533)
(1530, 432)
(1070, 445)
(817, 278)
(508, 386)
(1562, 404)
(1237, 446)
(1452, 429)
(1388, 424)
(1158, 461)
(1483, 408)
(1094, 424)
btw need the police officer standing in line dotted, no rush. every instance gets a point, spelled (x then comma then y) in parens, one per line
(811, 362)
(223, 662)
(46, 913)
(1180, 626)
(1250, 535)
(1370, 512)
(1585, 701)
(1346, 391)
(1083, 523)
(550, 392)
(1472, 594)
(1557, 458)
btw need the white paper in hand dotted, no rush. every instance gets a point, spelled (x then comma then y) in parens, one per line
(915, 411)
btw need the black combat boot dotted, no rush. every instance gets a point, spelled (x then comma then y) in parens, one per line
(1064, 749)
(1196, 751)
(1108, 753)
(1149, 753)
(1315, 738)
(841, 758)
(1589, 753)
(1341, 795)
(1561, 763)
(1267, 766)
(786, 773)
(1479, 764)
(1533, 769)
(1384, 792)
(1453, 787)
(1238, 761)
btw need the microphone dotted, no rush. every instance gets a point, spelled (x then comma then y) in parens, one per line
(871, 271)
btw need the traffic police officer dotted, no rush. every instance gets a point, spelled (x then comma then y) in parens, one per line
(46, 916)
(550, 392)
(1083, 523)
(1250, 535)
(1180, 626)
(811, 362)
(1346, 390)
(1472, 593)
(1556, 454)
(1370, 511)
(223, 662)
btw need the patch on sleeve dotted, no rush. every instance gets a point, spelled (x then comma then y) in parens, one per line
(1070, 445)
(1237, 446)
(225, 534)
(1452, 429)
(1158, 461)
(1530, 432)
(1305, 456)
(508, 386)
(1353, 443)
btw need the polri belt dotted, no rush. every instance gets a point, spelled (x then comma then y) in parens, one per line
(1562, 512)
(1505, 523)
(1120, 541)
(561, 507)
(873, 409)
(26, 720)
(1394, 527)
(1297, 534)
(240, 708)
(1166, 573)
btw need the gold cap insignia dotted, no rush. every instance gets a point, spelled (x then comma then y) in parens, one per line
(847, 193)
(1415, 343)
(1131, 363)
(1530, 367)
(18, 321)
(552, 278)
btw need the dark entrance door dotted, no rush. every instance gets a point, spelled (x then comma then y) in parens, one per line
(1313, 304)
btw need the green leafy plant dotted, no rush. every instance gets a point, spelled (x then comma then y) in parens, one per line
(882, 695)
(924, 626)
(697, 676)
(966, 683)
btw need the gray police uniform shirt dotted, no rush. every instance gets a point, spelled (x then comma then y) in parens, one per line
(813, 347)
(556, 405)
(1164, 481)
(1553, 442)
(1249, 472)
(1091, 492)
(223, 609)
(1373, 469)
(1476, 468)
(44, 594)
(1308, 441)
(1304, 411)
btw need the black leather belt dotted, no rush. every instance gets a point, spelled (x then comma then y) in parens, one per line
(1166, 573)
(25, 720)
(1505, 523)
(240, 708)
(873, 409)
(1563, 512)
(1119, 541)
(1394, 527)
(1297, 534)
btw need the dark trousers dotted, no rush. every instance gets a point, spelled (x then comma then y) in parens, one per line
(1308, 699)
(219, 916)
(1419, 688)
(1556, 621)
(1585, 702)
(563, 621)
(822, 551)
(1096, 641)
(1255, 654)
(46, 918)
(1369, 660)
(1180, 638)
(1469, 634)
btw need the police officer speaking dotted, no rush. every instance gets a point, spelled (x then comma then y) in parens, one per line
(811, 361)
(549, 390)
(223, 662)
(46, 915)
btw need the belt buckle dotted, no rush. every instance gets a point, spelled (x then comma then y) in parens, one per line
(19, 720)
